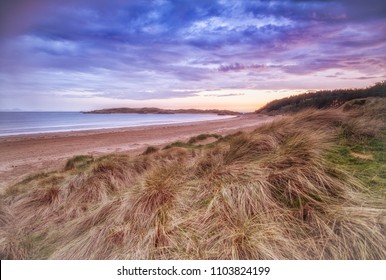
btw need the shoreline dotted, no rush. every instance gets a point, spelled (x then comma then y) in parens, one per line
(26, 154)
(104, 126)
(93, 131)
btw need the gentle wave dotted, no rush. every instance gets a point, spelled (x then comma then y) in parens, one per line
(15, 123)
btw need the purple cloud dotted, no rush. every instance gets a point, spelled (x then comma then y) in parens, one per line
(138, 50)
(238, 67)
(225, 95)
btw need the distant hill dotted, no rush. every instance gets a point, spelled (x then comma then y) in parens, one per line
(321, 99)
(152, 110)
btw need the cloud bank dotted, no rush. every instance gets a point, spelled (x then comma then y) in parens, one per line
(141, 50)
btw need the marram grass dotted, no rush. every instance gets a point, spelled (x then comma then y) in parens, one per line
(274, 193)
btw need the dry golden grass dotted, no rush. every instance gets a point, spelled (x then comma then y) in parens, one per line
(268, 194)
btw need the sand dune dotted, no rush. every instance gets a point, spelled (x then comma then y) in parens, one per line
(289, 189)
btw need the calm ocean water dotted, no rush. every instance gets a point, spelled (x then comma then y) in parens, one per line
(14, 123)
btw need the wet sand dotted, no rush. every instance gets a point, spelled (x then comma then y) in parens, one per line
(23, 155)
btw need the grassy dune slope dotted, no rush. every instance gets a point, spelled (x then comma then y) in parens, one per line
(322, 99)
(308, 186)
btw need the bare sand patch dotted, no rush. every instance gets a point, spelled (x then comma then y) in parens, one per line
(362, 156)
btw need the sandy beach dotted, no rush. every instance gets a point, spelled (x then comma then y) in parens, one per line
(23, 155)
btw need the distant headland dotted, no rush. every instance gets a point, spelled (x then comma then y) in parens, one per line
(152, 110)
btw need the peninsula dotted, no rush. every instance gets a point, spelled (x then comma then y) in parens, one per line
(152, 110)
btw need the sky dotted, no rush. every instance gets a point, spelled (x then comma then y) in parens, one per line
(58, 55)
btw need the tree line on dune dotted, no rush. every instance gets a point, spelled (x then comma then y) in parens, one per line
(322, 99)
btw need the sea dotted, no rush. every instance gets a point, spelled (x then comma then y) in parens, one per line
(15, 123)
